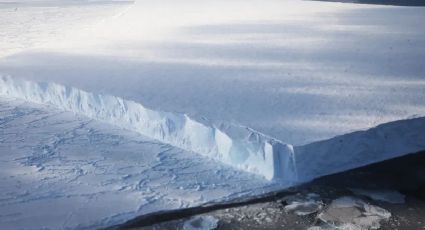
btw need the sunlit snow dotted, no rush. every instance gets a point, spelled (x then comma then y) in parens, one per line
(157, 105)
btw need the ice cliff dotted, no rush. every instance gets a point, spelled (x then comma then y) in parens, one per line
(237, 146)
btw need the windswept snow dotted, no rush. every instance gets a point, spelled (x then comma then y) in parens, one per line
(26, 24)
(299, 71)
(289, 90)
(62, 171)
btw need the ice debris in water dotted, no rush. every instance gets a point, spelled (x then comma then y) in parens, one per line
(201, 223)
(389, 196)
(352, 213)
(303, 204)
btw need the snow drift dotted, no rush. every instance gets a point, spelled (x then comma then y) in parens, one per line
(238, 146)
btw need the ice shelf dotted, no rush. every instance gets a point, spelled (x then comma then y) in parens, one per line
(238, 146)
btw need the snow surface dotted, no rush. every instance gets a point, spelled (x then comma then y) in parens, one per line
(289, 90)
(61, 171)
(297, 71)
(28, 24)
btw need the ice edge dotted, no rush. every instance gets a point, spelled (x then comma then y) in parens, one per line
(237, 146)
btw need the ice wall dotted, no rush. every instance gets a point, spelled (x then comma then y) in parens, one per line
(238, 146)
(360, 148)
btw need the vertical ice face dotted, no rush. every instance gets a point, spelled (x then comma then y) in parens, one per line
(238, 146)
(360, 148)
(284, 162)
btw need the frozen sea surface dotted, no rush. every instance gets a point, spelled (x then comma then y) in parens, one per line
(291, 76)
(62, 171)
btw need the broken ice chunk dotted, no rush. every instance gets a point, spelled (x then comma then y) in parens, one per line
(390, 196)
(303, 204)
(201, 223)
(353, 212)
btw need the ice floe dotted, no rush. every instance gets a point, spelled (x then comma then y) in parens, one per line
(390, 196)
(59, 170)
(201, 223)
(303, 204)
(353, 213)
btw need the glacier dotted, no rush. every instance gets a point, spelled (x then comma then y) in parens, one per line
(278, 93)
(265, 95)
(237, 146)
(240, 147)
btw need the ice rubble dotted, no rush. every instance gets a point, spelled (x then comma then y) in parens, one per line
(238, 146)
(60, 164)
(201, 223)
(353, 213)
(390, 196)
(303, 205)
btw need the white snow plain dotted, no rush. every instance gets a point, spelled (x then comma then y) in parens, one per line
(62, 171)
(298, 71)
(281, 89)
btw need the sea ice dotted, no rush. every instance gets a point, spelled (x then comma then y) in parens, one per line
(201, 223)
(303, 204)
(59, 170)
(390, 196)
(353, 213)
